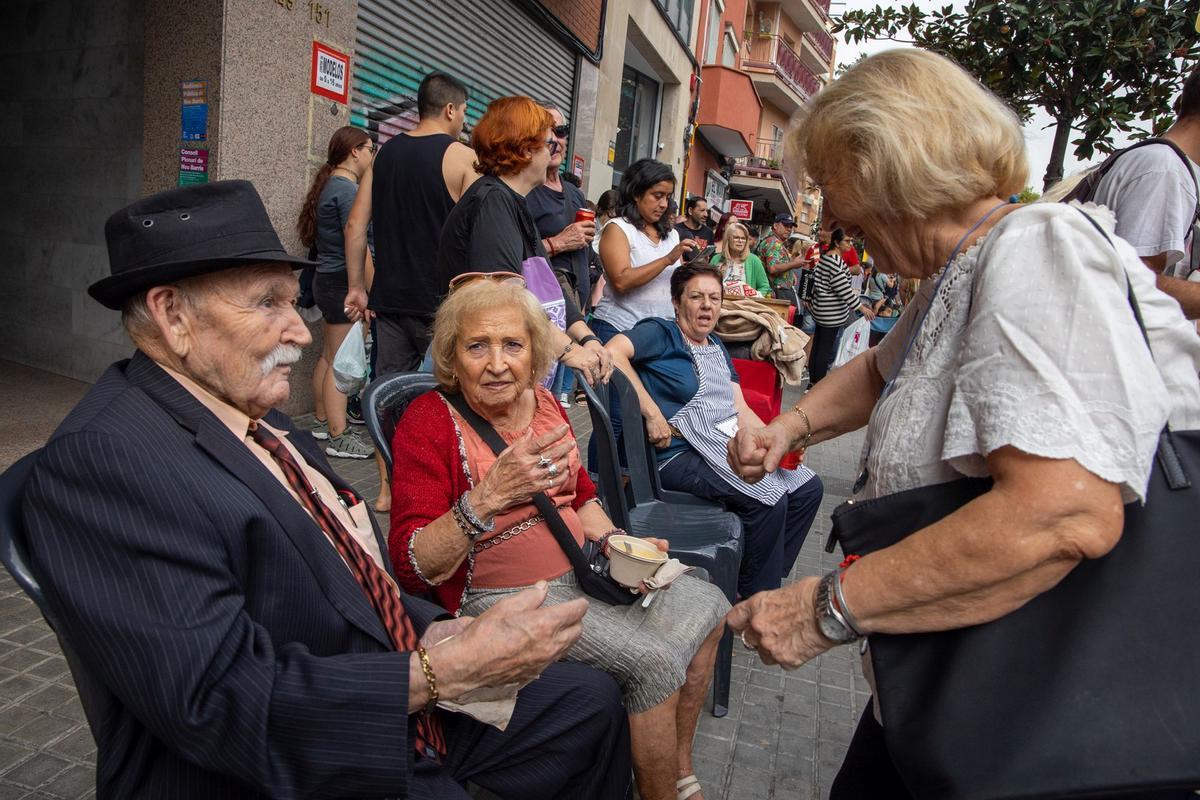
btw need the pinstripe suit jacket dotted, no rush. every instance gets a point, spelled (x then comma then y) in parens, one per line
(235, 653)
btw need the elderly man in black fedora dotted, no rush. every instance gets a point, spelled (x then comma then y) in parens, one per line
(228, 594)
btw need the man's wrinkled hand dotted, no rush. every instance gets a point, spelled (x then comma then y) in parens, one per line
(442, 629)
(512, 642)
(575, 236)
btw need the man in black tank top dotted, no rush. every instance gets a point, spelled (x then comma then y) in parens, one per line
(417, 178)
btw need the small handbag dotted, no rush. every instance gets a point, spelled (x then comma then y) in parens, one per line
(590, 568)
(1092, 688)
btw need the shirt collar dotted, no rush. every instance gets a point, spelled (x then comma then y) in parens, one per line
(232, 418)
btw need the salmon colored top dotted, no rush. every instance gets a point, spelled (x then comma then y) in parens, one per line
(533, 554)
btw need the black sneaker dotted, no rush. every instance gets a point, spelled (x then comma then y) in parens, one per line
(354, 411)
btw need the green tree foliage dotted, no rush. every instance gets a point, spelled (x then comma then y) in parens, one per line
(1095, 66)
(1027, 195)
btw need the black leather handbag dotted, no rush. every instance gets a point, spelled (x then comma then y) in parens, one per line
(591, 567)
(1090, 689)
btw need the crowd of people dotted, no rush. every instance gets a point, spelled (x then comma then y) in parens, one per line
(249, 631)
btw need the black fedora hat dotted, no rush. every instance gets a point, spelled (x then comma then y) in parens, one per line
(186, 232)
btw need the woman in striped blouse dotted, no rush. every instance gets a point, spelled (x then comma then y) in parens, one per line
(833, 300)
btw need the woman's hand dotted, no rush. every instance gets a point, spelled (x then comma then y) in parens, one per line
(355, 304)
(588, 361)
(682, 251)
(866, 311)
(658, 430)
(753, 452)
(520, 472)
(782, 624)
(605, 367)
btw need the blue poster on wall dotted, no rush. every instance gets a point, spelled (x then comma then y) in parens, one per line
(194, 110)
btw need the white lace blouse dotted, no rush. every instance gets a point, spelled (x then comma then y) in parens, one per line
(1030, 342)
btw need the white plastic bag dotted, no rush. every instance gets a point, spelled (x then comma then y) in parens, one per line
(855, 339)
(350, 366)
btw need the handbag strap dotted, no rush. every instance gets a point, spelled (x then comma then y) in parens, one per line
(1168, 454)
(545, 506)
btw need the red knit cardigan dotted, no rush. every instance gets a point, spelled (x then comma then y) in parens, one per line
(429, 473)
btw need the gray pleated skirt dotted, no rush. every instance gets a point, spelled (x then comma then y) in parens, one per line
(647, 650)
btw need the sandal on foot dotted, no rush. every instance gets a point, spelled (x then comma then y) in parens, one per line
(686, 787)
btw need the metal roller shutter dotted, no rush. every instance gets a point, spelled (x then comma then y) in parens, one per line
(492, 46)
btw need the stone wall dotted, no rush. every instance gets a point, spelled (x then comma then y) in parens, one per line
(70, 154)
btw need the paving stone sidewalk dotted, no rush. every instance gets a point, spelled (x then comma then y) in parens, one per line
(784, 737)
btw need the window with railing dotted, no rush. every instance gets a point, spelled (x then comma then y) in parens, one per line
(822, 41)
(771, 50)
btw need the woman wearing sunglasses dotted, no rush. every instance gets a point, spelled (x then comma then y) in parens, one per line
(490, 229)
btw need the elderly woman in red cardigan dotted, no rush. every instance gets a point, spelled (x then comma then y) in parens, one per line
(465, 528)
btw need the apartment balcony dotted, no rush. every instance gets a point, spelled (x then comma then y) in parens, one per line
(810, 15)
(761, 178)
(779, 75)
(816, 48)
(729, 113)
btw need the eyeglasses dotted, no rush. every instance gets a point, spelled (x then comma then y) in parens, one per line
(552, 144)
(459, 281)
(561, 131)
(371, 146)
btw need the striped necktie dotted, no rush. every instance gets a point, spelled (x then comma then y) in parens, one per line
(379, 587)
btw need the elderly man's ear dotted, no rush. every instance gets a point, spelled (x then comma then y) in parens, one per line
(174, 318)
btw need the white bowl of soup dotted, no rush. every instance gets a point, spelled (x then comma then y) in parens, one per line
(633, 560)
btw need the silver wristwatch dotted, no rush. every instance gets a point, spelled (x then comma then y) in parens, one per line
(830, 619)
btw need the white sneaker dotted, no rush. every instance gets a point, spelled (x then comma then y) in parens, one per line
(564, 400)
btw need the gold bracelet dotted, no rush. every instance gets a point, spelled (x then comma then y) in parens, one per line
(429, 678)
(796, 409)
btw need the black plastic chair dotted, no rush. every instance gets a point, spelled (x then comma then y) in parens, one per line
(702, 536)
(14, 553)
(640, 460)
(385, 402)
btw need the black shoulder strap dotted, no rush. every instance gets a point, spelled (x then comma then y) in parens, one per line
(1087, 187)
(1168, 455)
(545, 506)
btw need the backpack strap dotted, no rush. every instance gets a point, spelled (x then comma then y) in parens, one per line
(1086, 189)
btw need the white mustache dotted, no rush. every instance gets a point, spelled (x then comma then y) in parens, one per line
(281, 356)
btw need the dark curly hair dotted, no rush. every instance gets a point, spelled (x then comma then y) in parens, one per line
(638, 179)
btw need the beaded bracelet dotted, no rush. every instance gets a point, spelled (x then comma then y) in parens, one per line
(464, 505)
(464, 525)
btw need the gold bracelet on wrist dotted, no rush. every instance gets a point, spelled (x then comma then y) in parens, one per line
(796, 409)
(429, 678)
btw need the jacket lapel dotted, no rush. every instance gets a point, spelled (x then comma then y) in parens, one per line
(336, 580)
(308, 447)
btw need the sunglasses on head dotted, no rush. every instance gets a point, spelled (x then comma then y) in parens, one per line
(561, 131)
(459, 281)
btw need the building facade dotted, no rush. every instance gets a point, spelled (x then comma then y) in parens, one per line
(113, 99)
(761, 62)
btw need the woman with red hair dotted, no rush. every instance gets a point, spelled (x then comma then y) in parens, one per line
(490, 229)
